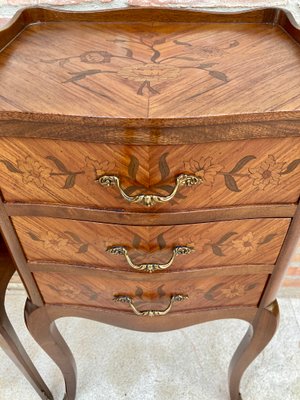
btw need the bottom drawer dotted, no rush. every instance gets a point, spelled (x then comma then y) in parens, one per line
(84, 288)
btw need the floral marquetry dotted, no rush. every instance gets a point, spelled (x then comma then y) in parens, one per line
(269, 172)
(98, 168)
(147, 72)
(151, 71)
(207, 244)
(60, 242)
(150, 169)
(235, 290)
(266, 175)
(200, 293)
(88, 174)
(205, 168)
(32, 171)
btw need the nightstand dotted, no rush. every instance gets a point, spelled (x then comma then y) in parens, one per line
(150, 169)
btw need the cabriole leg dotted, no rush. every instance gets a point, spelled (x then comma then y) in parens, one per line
(9, 340)
(256, 339)
(45, 332)
(12, 346)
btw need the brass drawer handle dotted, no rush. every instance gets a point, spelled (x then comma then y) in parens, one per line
(150, 267)
(150, 199)
(150, 313)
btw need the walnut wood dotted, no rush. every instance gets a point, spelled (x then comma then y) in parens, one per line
(31, 15)
(128, 83)
(76, 269)
(136, 218)
(258, 171)
(175, 131)
(9, 341)
(288, 249)
(259, 334)
(40, 322)
(209, 292)
(286, 24)
(45, 332)
(34, 15)
(231, 115)
(58, 351)
(175, 320)
(215, 243)
(154, 132)
(15, 248)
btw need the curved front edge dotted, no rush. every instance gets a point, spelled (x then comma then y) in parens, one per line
(40, 322)
(32, 15)
(259, 334)
(169, 322)
(43, 329)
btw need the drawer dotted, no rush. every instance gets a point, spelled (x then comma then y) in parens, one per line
(150, 294)
(259, 171)
(252, 241)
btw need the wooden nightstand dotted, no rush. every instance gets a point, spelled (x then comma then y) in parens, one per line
(150, 169)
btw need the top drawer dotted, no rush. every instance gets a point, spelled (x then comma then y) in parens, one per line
(228, 173)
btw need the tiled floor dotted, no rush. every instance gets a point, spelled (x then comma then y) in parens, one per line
(188, 364)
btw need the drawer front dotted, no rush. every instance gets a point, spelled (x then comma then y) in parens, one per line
(205, 292)
(254, 241)
(256, 171)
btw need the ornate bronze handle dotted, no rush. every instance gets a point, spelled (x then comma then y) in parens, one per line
(149, 267)
(150, 199)
(150, 313)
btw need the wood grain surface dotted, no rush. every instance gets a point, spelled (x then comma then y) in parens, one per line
(145, 96)
(203, 293)
(14, 246)
(256, 241)
(152, 218)
(150, 70)
(161, 131)
(250, 172)
(9, 340)
(175, 320)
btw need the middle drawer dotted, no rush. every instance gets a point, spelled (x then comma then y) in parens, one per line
(152, 248)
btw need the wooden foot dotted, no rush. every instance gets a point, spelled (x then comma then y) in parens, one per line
(256, 339)
(12, 346)
(45, 332)
(9, 340)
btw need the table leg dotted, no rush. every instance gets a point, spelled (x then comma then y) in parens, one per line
(43, 329)
(256, 339)
(9, 340)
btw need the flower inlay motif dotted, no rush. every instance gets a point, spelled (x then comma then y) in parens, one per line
(64, 241)
(268, 173)
(208, 51)
(204, 168)
(53, 241)
(34, 172)
(99, 168)
(246, 244)
(148, 66)
(150, 72)
(235, 290)
(50, 170)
